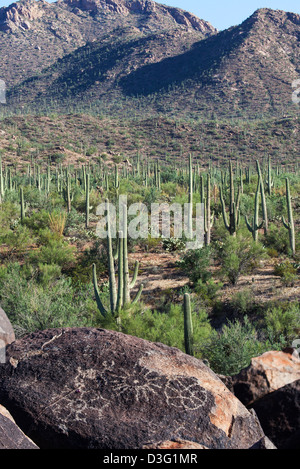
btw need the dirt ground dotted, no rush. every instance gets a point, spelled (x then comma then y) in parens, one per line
(158, 273)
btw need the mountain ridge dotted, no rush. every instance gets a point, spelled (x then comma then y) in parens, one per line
(247, 69)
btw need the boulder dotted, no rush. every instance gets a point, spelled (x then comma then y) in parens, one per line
(264, 443)
(98, 389)
(178, 444)
(7, 335)
(11, 437)
(266, 373)
(279, 415)
(6, 330)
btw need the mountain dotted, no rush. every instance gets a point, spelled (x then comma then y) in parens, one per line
(34, 34)
(149, 59)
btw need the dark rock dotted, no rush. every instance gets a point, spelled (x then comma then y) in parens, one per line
(279, 415)
(11, 437)
(264, 443)
(93, 388)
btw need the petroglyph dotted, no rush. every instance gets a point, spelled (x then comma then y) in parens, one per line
(93, 390)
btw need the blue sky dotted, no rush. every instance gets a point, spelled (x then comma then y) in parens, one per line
(223, 14)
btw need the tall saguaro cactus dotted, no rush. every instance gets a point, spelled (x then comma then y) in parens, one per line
(188, 325)
(208, 217)
(234, 212)
(190, 201)
(119, 293)
(87, 200)
(269, 180)
(254, 226)
(263, 199)
(289, 224)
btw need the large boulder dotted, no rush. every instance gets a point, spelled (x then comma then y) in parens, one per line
(279, 415)
(265, 374)
(11, 437)
(7, 334)
(93, 388)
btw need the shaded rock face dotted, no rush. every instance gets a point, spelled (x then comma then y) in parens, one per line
(92, 388)
(11, 437)
(279, 415)
(266, 373)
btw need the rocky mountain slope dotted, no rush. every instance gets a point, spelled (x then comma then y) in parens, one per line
(33, 34)
(144, 58)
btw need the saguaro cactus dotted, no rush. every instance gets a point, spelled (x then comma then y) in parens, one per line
(269, 180)
(263, 199)
(190, 201)
(119, 294)
(188, 325)
(234, 212)
(22, 205)
(254, 226)
(87, 201)
(208, 217)
(289, 224)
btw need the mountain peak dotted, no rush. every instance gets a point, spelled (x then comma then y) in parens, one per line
(142, 7)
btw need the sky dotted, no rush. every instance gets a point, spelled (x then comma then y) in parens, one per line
(223, 14)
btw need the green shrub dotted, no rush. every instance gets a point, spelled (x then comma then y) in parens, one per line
(173, 244)
(243, 302)
(234, 347)
(287, 272)
(283, 322)
(195, 264)
(208, 290)
(239, 255)
(54, 252)
(166, 327)
(32, 305)
(277, 238)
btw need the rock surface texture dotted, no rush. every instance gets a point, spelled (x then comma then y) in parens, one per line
(93, 388)
(11, 437)
(279, 415)
(266, 373)
(7, 335)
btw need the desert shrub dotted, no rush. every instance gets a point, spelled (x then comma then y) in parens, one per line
(208, 290)
(32, 306)
(55, 251)
(173, 244)
(283, 322)
(239, 255)
(19, 239)
(166, 327)
(277, 238)
(37, 221)
(47, 273)
(195, 264)
(287, 272)
(234, 347)
(243, 302)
